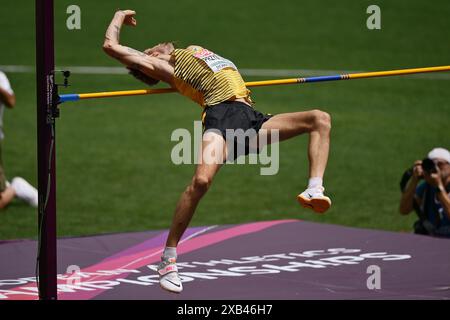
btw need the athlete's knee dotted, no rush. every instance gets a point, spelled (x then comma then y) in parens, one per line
(200, 183)
(321, 120)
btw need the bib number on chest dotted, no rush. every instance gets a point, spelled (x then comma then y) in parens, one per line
(214, 61)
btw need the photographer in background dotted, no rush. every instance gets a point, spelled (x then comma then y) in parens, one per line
(430, 198)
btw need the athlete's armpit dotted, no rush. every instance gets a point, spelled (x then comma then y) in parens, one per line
(130, 57)
(136, 52)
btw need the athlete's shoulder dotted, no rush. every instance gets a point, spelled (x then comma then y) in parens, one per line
(194, 48)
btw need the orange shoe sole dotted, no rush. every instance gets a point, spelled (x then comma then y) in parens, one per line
(319, 205)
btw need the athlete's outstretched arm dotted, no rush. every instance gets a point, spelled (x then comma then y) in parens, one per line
(128, 56)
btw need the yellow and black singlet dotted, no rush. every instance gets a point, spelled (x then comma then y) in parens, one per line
(207, 78)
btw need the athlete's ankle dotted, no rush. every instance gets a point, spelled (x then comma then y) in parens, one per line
(315, 182)
(169, 253)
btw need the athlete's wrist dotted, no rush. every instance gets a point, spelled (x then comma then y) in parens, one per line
(119, 15)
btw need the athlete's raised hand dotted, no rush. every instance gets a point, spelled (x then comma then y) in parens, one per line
(128, 15)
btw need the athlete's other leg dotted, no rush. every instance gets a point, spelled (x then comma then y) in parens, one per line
(6, 196)
(318, 125)
(212, 156)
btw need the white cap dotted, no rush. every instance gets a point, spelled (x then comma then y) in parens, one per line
(439, 153)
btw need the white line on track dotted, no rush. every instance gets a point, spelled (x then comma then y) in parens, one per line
(159, 251)
(244, 72)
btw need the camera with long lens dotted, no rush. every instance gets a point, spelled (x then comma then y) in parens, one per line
(429, 166)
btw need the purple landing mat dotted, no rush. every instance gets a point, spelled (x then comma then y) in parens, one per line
(284, 259)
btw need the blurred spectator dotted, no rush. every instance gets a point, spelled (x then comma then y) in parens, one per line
(426, 189)
(18, 187)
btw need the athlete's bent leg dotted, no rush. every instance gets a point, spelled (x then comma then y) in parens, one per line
(318, 124)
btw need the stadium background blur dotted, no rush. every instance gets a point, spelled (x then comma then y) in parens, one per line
(114, 171)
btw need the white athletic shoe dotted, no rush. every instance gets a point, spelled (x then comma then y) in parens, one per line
(25, 191)
(314, 199)
(168, 276)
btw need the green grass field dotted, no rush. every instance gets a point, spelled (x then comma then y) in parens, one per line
(113, 155)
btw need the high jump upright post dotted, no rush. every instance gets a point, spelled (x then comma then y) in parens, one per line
(45, 84)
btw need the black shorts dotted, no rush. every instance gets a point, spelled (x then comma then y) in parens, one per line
(233, 115)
